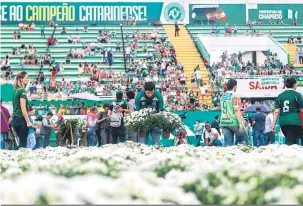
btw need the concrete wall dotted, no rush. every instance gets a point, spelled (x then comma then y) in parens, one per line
(260, 58)
(247, 56)
(217, 45)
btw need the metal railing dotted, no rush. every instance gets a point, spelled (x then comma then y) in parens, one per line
(279, 45)
(203, 50)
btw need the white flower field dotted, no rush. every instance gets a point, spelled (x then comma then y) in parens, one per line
(132, 173)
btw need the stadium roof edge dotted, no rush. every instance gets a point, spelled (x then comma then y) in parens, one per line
(185, 1)
(66, 1)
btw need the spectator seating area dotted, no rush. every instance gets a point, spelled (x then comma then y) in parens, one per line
(184, 53)
(68, 71)
(279, 32)
(59, 52)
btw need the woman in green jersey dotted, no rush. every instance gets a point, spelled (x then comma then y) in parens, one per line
(21, 122)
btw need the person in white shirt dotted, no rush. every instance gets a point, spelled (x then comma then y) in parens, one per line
(198, 76)
(183, 79)
(135, 80)
(268, 133)
(148, 79)
(155, 78)
(67, 80)
(33, 26)
(20, 25)
(202, 90)
(211, 136)
(206, 88)
(77, 39)
(127, 52)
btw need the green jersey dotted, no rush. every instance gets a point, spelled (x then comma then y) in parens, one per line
(289, 102)
(18, 93)
(229, 101)
(156, 101)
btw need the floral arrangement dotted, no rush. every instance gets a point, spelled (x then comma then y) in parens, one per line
(131, 173)
(146, 118)
(167, 121)
(139, 120)
(69, 128)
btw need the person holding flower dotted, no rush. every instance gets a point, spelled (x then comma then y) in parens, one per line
(149, 98)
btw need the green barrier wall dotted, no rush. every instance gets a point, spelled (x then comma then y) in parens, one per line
(6, 92)
(285, 12)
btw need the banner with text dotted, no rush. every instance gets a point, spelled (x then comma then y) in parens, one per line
(260, 87)
(98, 12)
(275, 12)
(265, 86)
(75, 12)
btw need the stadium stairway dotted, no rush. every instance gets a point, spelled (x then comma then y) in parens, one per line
(189, 56)
(291, 49)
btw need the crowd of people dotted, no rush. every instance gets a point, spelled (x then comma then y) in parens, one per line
(104, 125)
(159, 65)
(158, 68)
(234, 66)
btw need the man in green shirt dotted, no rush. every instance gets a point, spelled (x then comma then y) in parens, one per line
(289, 104)
(149, 98)
(231, 119)
(42, 31)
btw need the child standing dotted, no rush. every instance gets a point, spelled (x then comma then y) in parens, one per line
(31, 139)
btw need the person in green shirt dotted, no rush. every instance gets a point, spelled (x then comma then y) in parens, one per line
(42, 32)
(231, 119)
(144, 48)
(20, 122)
(113, 34)
(21, 65)
(19, 34)
(289, 104)
(14, 50)
(149, 98)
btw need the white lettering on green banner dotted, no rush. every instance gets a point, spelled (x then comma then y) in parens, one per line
(270, 14)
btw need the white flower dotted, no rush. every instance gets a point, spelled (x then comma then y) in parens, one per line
(131, 173)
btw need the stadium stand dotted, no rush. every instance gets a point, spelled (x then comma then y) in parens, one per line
(278, 32)
(63, 48)
(60, 51)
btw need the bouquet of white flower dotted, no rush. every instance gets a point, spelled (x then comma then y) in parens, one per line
(167, 121)
(139, 120)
